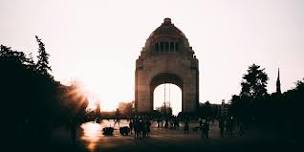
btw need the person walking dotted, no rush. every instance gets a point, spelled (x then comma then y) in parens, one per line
(186, 127)
(205, 130)
(222, 126)
(131, 126)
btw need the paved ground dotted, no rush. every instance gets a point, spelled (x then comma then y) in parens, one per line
(162, 139)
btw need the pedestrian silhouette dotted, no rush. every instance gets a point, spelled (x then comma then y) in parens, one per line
(186, 127)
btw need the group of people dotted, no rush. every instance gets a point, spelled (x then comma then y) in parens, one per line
(203, 127)
(172, 123)
(141, 127)
(228, 126)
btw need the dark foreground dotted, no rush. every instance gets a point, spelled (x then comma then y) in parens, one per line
(162, 139)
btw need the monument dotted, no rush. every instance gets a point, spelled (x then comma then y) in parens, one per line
(166, 58)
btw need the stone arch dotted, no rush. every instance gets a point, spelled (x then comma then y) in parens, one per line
(179, 67)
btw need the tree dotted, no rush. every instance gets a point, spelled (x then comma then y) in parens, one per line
(300, 85)
(126, 108)
(8, 55)
(32, 102)
(43, 58)
(250, 103)
(254, 82)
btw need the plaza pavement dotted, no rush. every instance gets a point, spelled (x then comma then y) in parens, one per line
(162, 139)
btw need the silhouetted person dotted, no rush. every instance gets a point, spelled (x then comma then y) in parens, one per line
(131, 126)
(200, 122)
(158, 123)
(144, 128)
(148, 124)
(117, 121)
(229, 126)
(175, 123)
(186, 127)
(166, 123)
(205, 130)
(138, 128)
(241, 131)
(222, 126)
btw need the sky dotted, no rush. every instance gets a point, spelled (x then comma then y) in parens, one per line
(96, 42)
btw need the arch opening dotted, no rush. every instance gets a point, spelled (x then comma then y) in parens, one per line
(167, 88)
(167, 96)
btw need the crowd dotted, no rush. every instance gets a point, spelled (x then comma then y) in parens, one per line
(140, 127)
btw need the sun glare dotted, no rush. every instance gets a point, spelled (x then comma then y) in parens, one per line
(92, 98)
(169, 93)
(91, 92)
(92, 134)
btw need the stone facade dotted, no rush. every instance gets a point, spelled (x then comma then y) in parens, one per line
(166, 58)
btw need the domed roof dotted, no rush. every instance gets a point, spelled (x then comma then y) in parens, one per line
(167, 28)
(167, 31)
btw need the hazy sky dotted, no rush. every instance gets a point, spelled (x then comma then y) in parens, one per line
(97, 41)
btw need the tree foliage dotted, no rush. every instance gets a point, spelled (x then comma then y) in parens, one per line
(281, 112)
(43, 58)
(32, 102)
(254, 82)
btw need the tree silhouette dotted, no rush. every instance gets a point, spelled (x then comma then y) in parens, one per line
(254, 82)
(8, 55)
(43, 58)
(300, 85)
(280, 112)
(32, 102)
(125, 108)
(249, 105)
